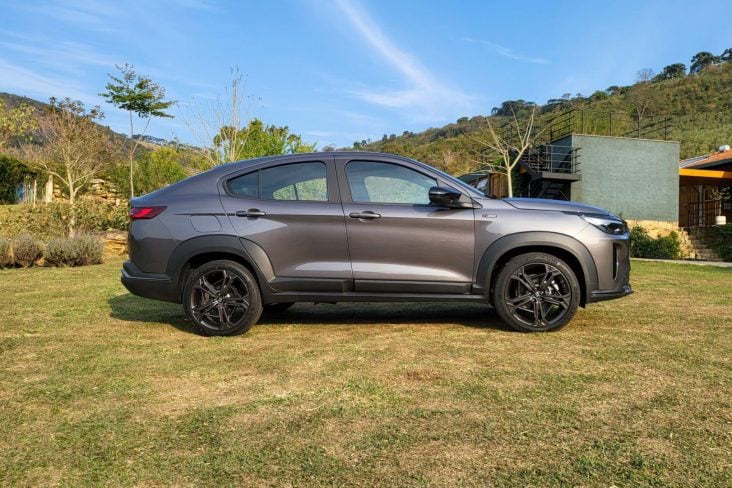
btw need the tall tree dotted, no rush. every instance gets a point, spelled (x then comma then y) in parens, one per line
(70, 146)
(258, 139)
(510, 142)
(140, 96)
(701, 60)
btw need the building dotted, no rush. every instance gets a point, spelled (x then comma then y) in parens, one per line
(611, 160)
(705, 189)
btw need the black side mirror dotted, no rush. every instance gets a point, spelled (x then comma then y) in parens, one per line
(439, 195)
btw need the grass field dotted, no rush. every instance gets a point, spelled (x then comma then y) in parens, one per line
(100, 387)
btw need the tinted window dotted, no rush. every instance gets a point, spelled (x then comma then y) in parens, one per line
(246, 186)
(301, 181)
(387, 183)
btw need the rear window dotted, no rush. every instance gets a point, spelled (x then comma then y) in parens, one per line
(298, 181)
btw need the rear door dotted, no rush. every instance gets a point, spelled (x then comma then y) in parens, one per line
(292, 211)
(398, 241)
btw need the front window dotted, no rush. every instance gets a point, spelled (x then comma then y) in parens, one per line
(374, 182)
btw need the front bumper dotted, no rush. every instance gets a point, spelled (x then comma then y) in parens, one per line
(620, 269)
(149, 285)
(602, 295)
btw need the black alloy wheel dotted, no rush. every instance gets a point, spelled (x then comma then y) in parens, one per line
(222, 298)
(536, 292)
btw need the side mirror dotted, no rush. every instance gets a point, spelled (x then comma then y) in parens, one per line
(439, 195)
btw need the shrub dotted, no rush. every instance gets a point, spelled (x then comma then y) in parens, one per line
(643, 245)
(51, 219)
(721, 241)
(5, 259)
(80, 250)
(26, 250)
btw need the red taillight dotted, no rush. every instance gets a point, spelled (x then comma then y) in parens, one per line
(137, 213)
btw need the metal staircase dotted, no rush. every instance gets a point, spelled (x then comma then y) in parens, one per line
(548, 172)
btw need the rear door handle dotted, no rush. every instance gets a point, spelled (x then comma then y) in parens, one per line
(368, 215)
(252, 212)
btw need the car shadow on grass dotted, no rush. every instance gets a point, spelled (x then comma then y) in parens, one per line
(131, 308)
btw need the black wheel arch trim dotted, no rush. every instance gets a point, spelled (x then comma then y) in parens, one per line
(499, 248)
(243, 249)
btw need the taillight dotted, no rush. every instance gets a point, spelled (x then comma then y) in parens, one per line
(137, 213)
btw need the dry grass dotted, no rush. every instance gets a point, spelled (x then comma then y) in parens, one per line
(100, 387)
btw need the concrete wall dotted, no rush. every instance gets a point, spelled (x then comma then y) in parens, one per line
(638, 178)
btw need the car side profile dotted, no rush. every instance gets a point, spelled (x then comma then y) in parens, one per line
(262, 234)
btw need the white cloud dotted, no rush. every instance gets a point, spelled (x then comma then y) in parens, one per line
(20, 80)
(506, 52)
(428, 97)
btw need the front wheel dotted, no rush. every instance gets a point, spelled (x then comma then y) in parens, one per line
(222, 298)
(536, 292)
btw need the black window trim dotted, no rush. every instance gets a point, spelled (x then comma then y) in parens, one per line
(261, 167)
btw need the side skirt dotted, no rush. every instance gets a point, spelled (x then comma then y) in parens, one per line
(376, 297)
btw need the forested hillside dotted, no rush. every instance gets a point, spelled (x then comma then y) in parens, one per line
(699, 105)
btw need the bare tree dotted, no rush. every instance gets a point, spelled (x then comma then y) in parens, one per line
(511, 143)
(70, 146)
(641, 94)
(217, 126)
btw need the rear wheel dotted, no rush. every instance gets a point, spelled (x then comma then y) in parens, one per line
(222, 298)
(536, 292)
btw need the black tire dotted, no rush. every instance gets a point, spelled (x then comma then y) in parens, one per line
(222, 298)
(536, 292)
(275, 308)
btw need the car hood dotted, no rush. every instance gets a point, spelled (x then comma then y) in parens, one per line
(555, 205)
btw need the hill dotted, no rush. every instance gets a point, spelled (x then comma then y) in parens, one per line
(699, 105)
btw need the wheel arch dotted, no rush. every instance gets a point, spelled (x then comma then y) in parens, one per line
(564, 247)
(197, 251)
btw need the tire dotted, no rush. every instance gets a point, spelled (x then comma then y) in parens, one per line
(275, 308)
(222, 298)
(536, 292)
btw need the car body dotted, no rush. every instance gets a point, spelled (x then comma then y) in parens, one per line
(360, 226)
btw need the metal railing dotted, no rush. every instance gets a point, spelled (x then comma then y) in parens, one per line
(614, 124)
(702, 214)
(552, 159)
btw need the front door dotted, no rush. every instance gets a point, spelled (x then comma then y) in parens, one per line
(292, 212)
(398, 241)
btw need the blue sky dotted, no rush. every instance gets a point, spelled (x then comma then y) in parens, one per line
(337, 71)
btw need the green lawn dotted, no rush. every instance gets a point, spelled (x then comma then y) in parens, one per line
(100, 387)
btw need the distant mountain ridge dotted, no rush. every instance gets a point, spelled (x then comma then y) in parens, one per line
(700, 107)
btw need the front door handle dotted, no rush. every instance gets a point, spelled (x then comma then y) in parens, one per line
(252, 212)
(368, 215)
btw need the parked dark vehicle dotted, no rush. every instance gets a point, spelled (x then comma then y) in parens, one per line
(259, 235)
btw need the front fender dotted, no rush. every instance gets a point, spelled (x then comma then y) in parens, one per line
(536, 242)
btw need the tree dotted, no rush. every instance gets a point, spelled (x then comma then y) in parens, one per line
(701, 60)
(15, 122)
(510, 143)
(138, 95)
(726, 56)
(676, 70)
(257, 140)
(645, 75)
(70, 146)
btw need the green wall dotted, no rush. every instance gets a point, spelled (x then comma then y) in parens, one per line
(637, 178)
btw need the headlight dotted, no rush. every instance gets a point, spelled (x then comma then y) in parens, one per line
(607, 224)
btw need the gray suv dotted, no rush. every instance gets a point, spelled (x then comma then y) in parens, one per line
(256, 236)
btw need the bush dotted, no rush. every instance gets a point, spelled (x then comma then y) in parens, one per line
(51, 219)
(643, 245)
(26, 250)
(5, 259)
(80, 250)
(721, 241)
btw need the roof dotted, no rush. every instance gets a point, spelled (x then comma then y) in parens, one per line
(709, 161)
